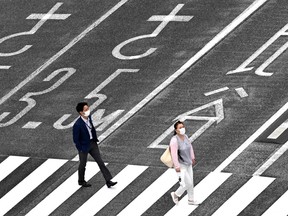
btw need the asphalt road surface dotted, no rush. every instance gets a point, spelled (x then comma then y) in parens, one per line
(220, 66)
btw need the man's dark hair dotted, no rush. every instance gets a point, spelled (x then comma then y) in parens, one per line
(80, 106)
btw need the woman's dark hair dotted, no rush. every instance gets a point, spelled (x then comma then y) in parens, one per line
(176, 125)
(80, 106)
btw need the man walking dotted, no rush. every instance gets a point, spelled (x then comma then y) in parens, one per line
(85, 139)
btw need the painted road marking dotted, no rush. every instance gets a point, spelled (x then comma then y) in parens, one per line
(216, 91)
(29, 184)
(252, 138)
(32, 31)
(31, 125)
(245, 195)
(241, 92)
(62, 51)
(202, 191)
(31, 102)
(218, 106)
(10, 164)
(63, 192)
(164, 19)
(278, 131)
(97, 116)
(149, 196)
(4, 67)
(259, 71)
(105, 195)
(220, 36)
(279, 208)
(50, 16)
(108, 80)
(272, 159)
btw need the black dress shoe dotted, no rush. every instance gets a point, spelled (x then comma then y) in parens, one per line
(110, 184)
(84, 184)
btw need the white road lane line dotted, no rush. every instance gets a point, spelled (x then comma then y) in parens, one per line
(202, 191)
(105, 195)
(10, 164)
(63, 192)
(279, 130)
(279, 208)
(62, 51)
(252, 138)
(272, 159)
(211, 44)
(4, 67)
(216, 91)
(245, 195)
(241, 92)
(27, 185)
(150, 195)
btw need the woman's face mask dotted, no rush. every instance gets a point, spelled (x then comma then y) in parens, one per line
(182, 131)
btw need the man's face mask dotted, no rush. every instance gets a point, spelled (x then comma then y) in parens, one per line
(87, 113)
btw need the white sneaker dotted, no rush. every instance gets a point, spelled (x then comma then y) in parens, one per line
(174, 198)
(193, 202)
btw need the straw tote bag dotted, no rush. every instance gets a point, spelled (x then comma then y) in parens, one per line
(166, 158)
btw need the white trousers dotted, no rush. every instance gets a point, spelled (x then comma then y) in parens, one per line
(187, 182)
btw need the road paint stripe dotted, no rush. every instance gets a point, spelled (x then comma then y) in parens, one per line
(241, 92)
(211, 44)
(10, 164)
(31, 125)
(252, 138)
(105, 195)
(216, 91)
(245, 195)
(45, 17)
(202, 191)
(62, 51)
(4, 67)
(278, 131)
(63, 192)
(279, 208)
(27, 185)
(150, 195)
(272, 159)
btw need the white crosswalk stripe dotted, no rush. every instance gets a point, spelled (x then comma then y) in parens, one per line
(202, 190)
(10, 164)
(149, 196)
(280, 207)
(105, 195)
(245, 195)
(29, 184)
(63, 192)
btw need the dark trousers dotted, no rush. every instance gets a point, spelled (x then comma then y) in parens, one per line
(95, 153)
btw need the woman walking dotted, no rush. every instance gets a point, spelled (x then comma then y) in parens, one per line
(183, 158)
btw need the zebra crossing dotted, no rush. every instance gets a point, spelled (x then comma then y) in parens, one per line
(161, 187)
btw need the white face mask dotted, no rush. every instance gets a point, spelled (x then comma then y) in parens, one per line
(87, 113)
(182, 131)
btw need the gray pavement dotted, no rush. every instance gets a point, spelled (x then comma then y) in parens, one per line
(139, 72)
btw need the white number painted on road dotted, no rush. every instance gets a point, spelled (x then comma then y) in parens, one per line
(43, 18)
(260, 70)
(31, 102)
(164, 19)
(218, 105)
(97, 116)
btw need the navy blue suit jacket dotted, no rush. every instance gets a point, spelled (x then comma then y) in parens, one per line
(81, 135)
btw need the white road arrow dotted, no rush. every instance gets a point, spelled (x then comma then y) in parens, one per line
(219, 112)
